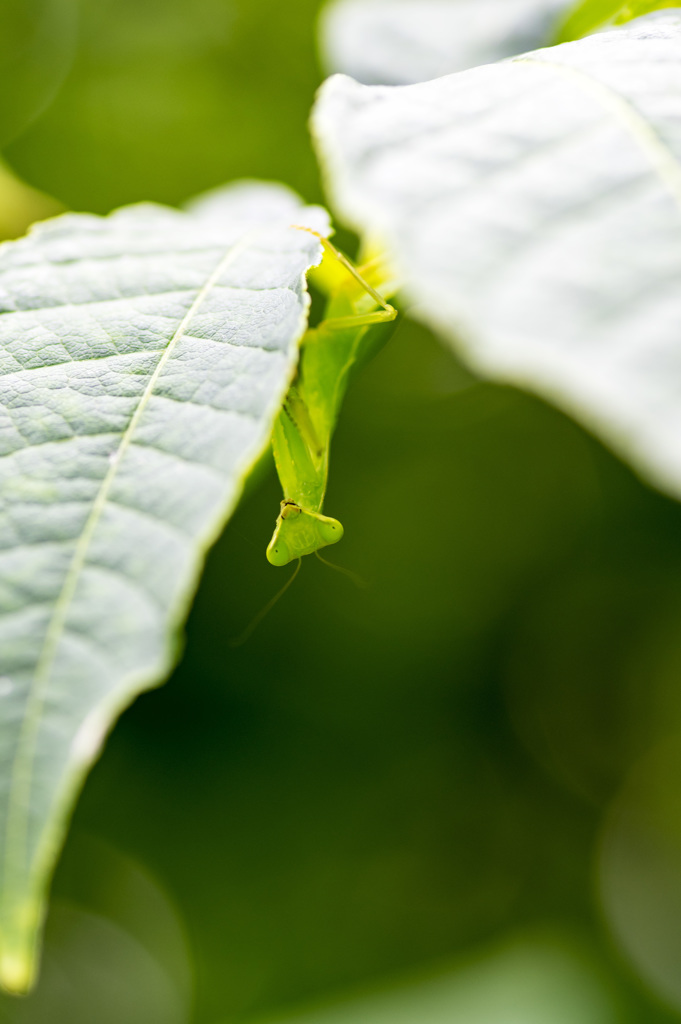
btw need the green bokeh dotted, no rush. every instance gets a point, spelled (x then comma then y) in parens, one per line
(385, 777)
(37, 46)
(166, 98)
(382, 777)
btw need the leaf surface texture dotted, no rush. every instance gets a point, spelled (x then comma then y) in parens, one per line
(143, 357)
(533, 208)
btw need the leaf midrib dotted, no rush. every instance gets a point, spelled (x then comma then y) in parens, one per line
(662, 158)
(15, 847)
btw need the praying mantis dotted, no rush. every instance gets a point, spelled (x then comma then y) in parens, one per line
(358, 323)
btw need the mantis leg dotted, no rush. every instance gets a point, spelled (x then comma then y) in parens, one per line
(302, 433)
(342, 323)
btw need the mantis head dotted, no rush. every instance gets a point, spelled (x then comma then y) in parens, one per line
(299, 532)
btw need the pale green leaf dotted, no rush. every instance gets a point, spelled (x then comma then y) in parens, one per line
(397, 42)
(143, 358)
(591, 15)
(533, 208)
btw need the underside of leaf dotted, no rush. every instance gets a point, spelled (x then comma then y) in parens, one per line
(397, 42)
(533, 208)
(143, 357)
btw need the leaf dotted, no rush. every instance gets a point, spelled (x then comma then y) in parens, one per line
(534, 210)
(398, 42)
(143, 358)
(594, 14)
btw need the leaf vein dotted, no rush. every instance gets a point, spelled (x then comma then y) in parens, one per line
(16, 834)
(660, 155)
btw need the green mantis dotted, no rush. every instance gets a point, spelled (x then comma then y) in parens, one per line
(358, 321)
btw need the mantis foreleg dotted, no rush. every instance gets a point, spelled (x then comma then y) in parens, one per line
(302, 432)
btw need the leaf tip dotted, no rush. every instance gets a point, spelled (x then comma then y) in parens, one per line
(16, 972)
(19, 941)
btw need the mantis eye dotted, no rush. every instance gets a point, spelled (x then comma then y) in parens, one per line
(289, 510)
(278, 553)
(330, 531)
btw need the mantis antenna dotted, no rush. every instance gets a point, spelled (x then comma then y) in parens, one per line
(240, 640)
(357, 580)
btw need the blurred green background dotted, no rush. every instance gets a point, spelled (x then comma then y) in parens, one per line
(467, 770)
